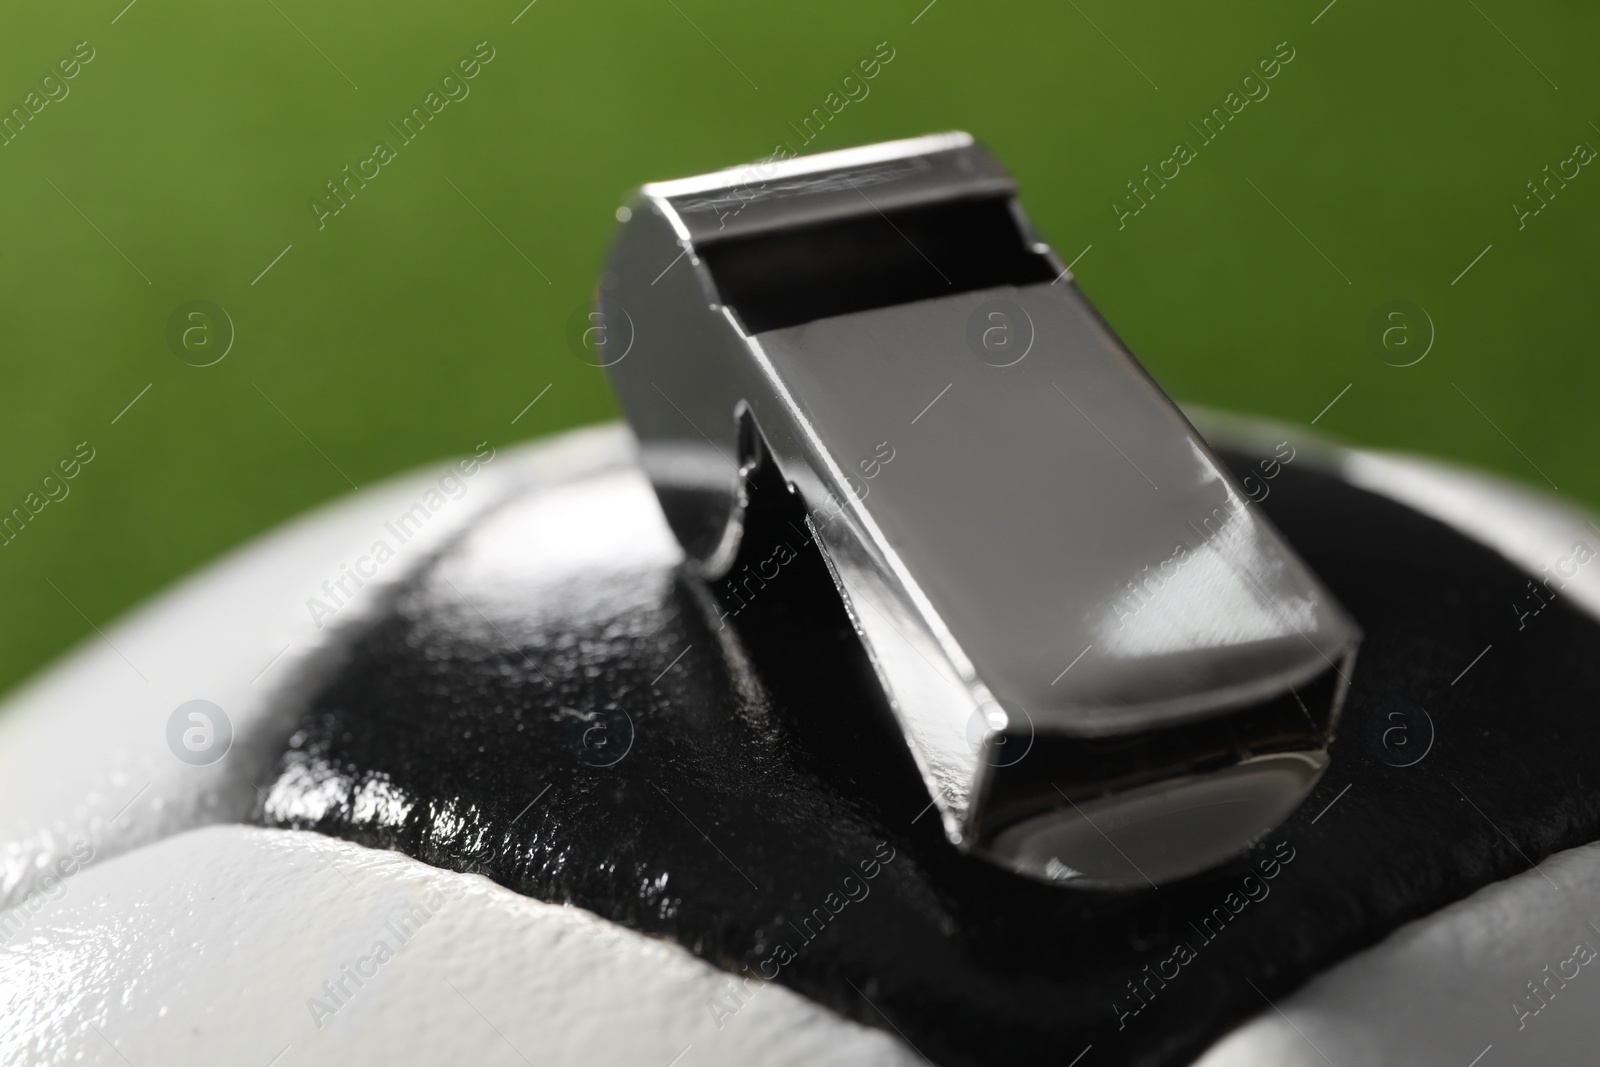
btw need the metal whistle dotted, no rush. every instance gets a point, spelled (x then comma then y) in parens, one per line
(1109, 668)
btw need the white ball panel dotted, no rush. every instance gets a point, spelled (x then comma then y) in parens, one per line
(213, 946)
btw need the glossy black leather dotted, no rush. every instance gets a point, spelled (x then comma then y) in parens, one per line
(764, 771)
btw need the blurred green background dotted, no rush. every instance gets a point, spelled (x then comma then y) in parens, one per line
(420, 320)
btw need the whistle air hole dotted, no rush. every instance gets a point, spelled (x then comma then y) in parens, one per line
(753, 496)
(752, 447)
(873, 259)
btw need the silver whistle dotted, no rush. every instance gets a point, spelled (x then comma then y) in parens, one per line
(1108, 666)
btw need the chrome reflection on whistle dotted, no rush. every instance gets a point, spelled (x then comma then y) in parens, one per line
(1038, 551)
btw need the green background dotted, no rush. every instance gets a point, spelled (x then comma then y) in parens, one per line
(409, 329)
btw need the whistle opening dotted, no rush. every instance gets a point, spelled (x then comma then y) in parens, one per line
(876, 259)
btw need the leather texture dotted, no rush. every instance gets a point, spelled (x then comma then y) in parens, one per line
(414, 721)
(1510, 975)
(763, 778)
(236, 945)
